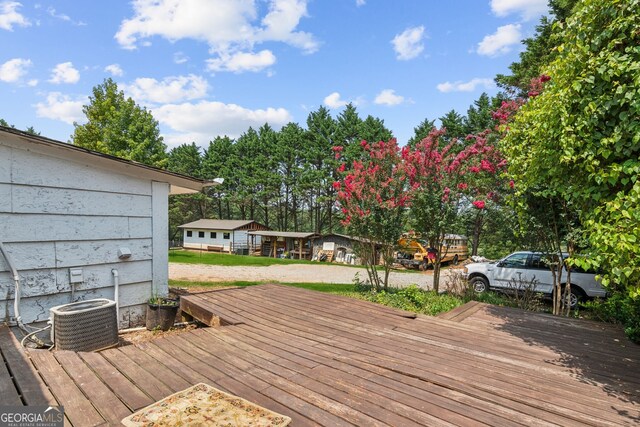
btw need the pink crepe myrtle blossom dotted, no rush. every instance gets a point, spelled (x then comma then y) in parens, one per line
(478, 204)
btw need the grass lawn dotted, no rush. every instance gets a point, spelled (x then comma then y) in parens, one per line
(214, 258)
(331, 288)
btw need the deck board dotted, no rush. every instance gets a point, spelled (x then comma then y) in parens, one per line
(103, 399)
(127, 391)
(327, 360)
(8, 391)
(29, 384)
(392, 349)
(78, 408)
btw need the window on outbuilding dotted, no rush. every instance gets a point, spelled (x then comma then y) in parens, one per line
(213, 235)
(201, 234)
(189, 233)
(226, 236)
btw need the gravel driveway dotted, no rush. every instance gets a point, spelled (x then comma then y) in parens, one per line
(291, 273)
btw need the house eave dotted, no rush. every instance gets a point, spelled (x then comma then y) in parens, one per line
(180, 184)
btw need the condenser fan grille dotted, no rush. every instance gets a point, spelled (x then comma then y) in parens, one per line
(85, 326)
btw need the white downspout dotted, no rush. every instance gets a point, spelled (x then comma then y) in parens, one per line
(116, 294)
(16, 279)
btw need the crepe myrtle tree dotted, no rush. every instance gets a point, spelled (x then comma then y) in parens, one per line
(484, 184)
(372, 199)
(442, 183)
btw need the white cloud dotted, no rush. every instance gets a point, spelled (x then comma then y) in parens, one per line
(170, 90)
(408, 44)
(280, 24)
(388, 97)
(51, 11)
(9, 16)
(528, 9)
(202, 121)
(501, 41)
(13, 70)
(360, 2)
(64, 73)
(242, 61)
(62, 107)
(333, 101)
(229, 27)
(180, 58)
(469, 86)
(32, 83)
(114, 70)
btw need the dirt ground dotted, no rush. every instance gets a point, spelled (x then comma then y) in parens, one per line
(297, 273)
(136, 337)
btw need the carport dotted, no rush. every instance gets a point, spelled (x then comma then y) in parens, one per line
(285, 244)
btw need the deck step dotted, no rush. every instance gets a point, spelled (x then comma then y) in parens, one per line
(204, 309)
(460, 313)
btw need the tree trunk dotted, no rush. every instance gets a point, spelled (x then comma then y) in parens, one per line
(266, 214)
(477, 230)
(294, 212)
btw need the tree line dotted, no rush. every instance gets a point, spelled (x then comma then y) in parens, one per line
(284, 178)
(280, 178)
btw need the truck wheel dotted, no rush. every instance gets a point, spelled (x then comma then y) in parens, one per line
(575, 297)
(479, 284)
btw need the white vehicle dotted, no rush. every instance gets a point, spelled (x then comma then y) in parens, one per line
(529, 267)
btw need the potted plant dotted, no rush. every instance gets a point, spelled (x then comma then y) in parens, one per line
(161, 313)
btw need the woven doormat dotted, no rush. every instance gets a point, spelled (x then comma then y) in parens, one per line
(203, 405)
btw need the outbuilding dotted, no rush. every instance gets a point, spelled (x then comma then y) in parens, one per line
(75, 222)
(341, 246)
(222, 235)
(284, 244)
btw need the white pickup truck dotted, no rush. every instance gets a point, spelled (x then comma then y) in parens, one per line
(529, 267)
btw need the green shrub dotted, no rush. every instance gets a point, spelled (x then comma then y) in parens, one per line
(620, 309)
(411, 298)
(495, 298)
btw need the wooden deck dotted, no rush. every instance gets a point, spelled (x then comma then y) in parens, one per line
(333, 361)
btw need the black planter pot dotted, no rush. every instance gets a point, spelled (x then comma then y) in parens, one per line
(161, 316)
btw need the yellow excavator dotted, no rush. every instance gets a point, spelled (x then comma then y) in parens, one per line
(414, 252)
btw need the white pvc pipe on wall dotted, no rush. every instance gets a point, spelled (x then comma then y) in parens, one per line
(116, 294)
(16, 279)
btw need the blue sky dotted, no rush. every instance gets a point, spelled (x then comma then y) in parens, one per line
(215, 67)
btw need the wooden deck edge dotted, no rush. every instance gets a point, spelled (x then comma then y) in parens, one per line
(448, 315)
(199, 312)
(469, 312)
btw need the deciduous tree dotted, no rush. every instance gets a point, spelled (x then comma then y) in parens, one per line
(442, 181)
(372, 198)
(117, 125)
(579, 139)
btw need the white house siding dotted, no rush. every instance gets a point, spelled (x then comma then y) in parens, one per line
(195, 242)
(160, 218)
(56, 214)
